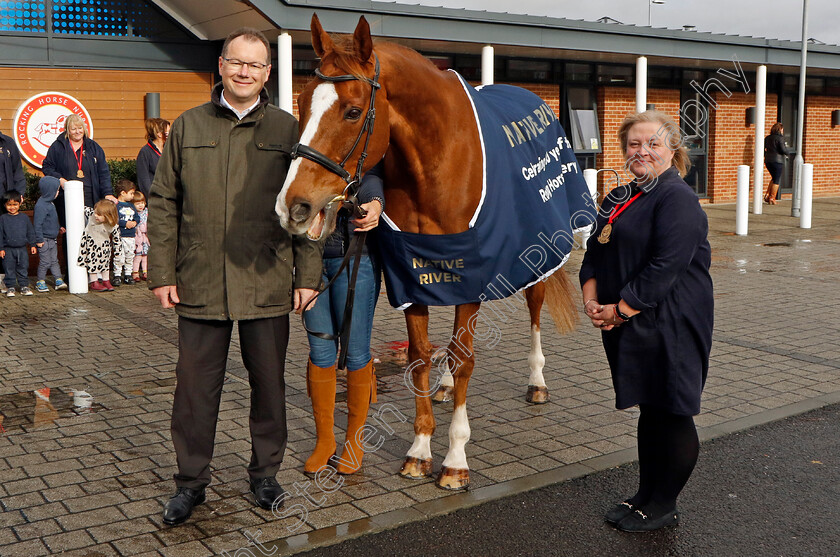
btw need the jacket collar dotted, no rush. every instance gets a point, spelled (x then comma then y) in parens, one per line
(216, 99)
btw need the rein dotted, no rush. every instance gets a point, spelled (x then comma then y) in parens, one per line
(349, 201)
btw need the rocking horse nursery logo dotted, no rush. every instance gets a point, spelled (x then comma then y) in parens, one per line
(40, 120)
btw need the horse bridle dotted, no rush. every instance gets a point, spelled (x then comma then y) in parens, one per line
(307, 152)
(349, 200)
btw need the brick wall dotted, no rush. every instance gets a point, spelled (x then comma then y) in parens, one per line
(822, 144)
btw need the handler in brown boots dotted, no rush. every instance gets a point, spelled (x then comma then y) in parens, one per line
(361, 391)
(327, 317)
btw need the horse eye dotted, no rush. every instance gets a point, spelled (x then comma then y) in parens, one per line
(353, 114)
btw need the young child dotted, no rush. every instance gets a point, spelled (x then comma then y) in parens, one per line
(123, 265)
(141, 241)
(100, 240)
(47, 230)
(16, 232)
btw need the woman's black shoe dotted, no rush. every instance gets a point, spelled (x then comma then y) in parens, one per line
(619, 512)
(638, 521)
(180, 506)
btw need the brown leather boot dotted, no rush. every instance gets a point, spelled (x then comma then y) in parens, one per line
(320, 386)
(771, 195)
(361, 391)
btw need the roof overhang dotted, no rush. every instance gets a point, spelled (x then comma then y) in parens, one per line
(466, 31)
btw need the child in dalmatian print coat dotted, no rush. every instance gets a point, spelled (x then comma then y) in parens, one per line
(100, 239)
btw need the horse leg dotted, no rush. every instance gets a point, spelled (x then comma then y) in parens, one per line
(537, 391)
(418, 461)
(455, 473)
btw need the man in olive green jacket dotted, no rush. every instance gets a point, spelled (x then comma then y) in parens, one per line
(219, 255)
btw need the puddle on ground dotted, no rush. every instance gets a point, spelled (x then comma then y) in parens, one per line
(154, 386)
(43, 407)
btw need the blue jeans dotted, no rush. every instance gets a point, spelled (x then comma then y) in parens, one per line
(328, 312)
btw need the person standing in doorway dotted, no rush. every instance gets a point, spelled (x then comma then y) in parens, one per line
(219, 255)
(775, 151)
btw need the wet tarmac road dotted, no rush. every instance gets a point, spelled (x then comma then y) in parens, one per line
(769, 491)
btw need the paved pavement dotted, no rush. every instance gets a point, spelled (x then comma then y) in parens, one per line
(768, 491)
(92, 482)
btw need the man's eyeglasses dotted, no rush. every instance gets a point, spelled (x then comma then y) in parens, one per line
(237, 64)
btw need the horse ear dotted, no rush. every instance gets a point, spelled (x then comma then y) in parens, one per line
(362, 40)
(321, 41)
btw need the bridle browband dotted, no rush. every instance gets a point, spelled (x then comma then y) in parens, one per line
(307, 152)
(349, 200)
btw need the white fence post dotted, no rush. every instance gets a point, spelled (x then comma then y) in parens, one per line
(807, 195)
(487, 65)
(74, 211)
(742, 202)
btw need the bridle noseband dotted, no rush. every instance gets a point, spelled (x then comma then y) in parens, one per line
(307, 152)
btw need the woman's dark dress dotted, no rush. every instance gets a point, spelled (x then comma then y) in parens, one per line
(657, 260)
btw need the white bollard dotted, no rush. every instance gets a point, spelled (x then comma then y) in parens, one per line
(742, 202)
(807, 195)
(758, 158)
(590, 176)
(74, 211)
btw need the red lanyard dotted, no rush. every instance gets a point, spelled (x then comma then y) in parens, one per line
(80, 157)
(616, 213)
(154, 148)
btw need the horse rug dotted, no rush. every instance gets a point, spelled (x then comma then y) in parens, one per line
(533, 200)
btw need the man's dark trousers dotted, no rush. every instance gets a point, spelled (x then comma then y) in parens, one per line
(202, 355)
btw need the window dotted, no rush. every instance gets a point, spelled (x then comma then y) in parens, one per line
(579, 72)
(116, 18)
(528, 70)
(23, 16)
(583, 120)
(616, 75)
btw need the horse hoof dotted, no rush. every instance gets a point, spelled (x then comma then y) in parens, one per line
(415, 468)
(537, 395)
(453, 479)
(443, 394)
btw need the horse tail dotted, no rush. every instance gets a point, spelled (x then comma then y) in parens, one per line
(560, 297)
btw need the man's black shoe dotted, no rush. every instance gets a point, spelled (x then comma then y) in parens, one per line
(180, 506)
(266, 491)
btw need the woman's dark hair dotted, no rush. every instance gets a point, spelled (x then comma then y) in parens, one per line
(776, 129)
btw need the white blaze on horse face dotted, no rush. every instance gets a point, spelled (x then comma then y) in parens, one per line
(536, 360)
(459, 434)
(323, 97)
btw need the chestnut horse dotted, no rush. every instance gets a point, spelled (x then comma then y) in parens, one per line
(426, 134)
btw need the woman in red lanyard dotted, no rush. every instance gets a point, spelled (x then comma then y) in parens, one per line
(647, 288)
(157, 130)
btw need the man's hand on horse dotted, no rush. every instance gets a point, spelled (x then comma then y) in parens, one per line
(371, 219)
(302, 296)
(168, 296)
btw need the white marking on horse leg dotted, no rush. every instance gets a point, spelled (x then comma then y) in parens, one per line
(446, 379)
(323, 97)
(459, 434)
(536, 360)
(421, 448)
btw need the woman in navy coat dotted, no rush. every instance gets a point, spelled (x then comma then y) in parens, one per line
(646, 286)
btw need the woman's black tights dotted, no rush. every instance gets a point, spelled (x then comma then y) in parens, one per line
(668, 451)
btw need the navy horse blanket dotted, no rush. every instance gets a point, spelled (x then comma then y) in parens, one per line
(533, 200)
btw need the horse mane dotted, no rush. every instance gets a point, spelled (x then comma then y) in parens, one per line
(346, 59)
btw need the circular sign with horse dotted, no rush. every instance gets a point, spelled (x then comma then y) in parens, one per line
(40, 120)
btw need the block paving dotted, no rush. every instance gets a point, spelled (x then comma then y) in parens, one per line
(92, 481)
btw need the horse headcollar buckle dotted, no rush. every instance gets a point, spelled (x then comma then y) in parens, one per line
(307, 152)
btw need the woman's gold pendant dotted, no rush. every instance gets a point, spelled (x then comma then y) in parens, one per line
(80, 174)
(604, 236)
